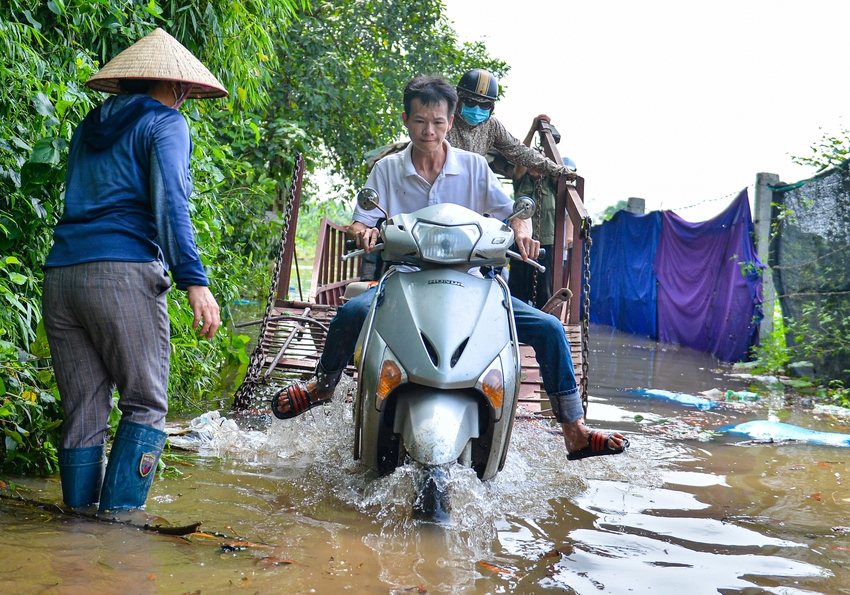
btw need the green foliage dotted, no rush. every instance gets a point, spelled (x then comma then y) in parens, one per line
(612, 210)
(772, 353)
(326, 85)
(823, 329)
(30, 414)
(830, 151)
(344, 65)
(309, 220)
(838, 394)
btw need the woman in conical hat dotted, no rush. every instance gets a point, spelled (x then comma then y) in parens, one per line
(125, 226)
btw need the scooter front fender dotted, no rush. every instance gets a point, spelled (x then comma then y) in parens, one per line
(436, 425)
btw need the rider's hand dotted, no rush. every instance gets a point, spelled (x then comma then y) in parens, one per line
(205, 309)
(367, 238)
(528, 246)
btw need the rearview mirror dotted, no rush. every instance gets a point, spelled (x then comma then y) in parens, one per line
(367, 199)
(524, 208)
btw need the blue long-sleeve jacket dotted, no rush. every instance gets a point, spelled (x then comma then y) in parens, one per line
(127, 190)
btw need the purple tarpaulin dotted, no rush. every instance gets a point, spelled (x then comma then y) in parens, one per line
(709, 282)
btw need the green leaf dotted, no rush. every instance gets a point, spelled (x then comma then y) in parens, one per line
(40, 348)
(17, 278)
(45, 151)
(43, 105)
(34, 175)
(12, 260)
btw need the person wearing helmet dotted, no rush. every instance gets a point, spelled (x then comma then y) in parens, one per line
(125, 224)
(430, 171)
(475, 129)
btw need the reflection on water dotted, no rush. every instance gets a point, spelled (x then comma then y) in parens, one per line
(683, 510)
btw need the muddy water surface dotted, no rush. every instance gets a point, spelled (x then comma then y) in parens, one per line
(685, 510)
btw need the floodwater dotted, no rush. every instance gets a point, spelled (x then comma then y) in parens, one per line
(686, 510)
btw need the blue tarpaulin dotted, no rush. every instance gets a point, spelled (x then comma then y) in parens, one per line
(623, 287)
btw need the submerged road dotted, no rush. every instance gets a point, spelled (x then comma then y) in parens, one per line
(687, 509)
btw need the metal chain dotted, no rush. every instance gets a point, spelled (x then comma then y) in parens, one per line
(585, 315)
(243, 396)
(538, 194)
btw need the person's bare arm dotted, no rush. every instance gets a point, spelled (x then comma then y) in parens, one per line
(530, 135)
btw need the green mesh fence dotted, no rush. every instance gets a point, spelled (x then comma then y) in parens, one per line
(810, 257)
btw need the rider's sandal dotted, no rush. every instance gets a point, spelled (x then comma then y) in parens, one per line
(299, 400)
(598, 445)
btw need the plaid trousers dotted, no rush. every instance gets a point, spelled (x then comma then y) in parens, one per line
(107, 325)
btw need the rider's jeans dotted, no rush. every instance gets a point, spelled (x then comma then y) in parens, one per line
(543, 332)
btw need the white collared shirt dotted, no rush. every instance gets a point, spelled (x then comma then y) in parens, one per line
(465, 180)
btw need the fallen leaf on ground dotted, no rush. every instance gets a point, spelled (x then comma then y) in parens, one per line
(202, 534)
(498, 569)
(827, 465)
(815, 496)
(557, 552)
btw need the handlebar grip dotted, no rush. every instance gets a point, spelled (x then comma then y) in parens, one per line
(533, 263)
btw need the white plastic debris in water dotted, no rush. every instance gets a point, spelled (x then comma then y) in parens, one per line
(683, 398)
(210, 433)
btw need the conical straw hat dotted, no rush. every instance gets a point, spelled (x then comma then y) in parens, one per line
(157, 56)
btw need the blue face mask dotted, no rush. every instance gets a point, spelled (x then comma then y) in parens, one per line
(474, 115)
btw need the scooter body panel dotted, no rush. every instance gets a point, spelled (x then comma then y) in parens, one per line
(445, 329)
(445, 326)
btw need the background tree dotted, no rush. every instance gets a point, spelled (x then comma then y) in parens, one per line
(50, 50)
(324, 81)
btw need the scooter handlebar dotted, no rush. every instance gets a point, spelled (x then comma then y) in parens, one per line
(356, 253)
(534, 263)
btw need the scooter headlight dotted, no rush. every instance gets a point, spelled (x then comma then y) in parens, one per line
(446, 244)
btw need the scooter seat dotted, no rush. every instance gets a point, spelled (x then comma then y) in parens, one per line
(352, 290)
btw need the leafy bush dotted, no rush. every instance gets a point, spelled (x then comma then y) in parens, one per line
(327, 86)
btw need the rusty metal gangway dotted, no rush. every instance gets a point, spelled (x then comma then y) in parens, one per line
(292, 331)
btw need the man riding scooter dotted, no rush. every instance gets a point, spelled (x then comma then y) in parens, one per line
(431, 171)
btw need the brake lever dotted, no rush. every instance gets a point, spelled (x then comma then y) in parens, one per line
(360, 252)
(534, 263)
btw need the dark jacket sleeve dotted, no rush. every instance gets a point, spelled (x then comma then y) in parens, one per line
(171, 186)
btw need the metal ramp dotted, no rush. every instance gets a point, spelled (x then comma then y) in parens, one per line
(292, 333)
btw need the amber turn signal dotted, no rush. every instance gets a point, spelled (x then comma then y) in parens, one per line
(493, 387)
(390, 378)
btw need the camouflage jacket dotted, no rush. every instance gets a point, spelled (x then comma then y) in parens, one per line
(493, 134)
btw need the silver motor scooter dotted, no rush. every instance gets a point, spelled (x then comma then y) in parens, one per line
(438, 358)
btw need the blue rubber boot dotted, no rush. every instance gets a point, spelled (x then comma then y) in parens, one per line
(132, 466)
(81, 473)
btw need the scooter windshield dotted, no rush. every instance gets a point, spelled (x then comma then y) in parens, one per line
(439, 243)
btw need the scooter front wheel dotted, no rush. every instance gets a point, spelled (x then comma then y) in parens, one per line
(432, 501)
